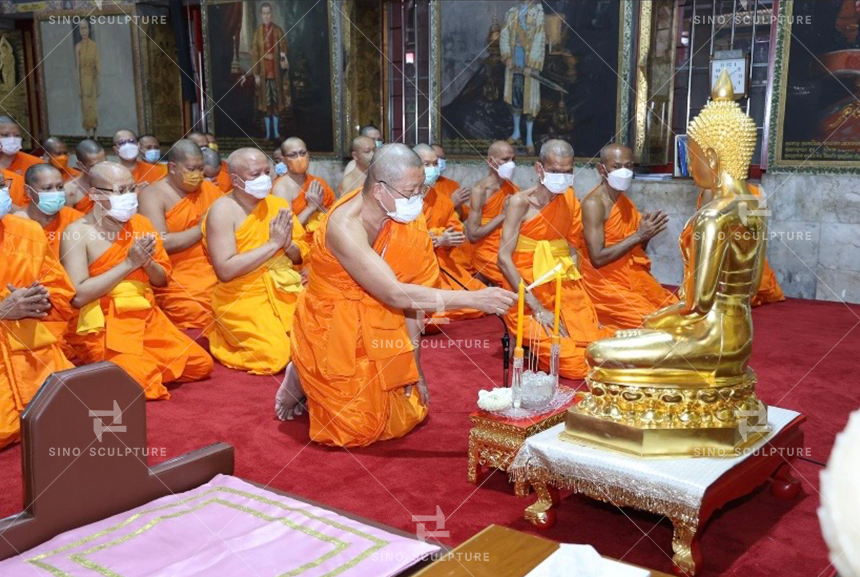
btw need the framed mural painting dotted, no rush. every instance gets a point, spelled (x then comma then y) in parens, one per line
(269, 69)
(13, 88)
(816, 84)
(90, 73)
(531, 71)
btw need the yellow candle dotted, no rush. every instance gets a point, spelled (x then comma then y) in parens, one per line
(520, 309)
(557, 302)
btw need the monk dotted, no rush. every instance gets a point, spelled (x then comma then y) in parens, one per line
(114, 257)
(446, 233)
(372, 133)
(488, 201)
(57, 154)
(211, 165)
(15, 183)
(769, 290)
(362, 152)
(309, 195)
(616, 270)
(356, 324)
(11, 157)
(150, 148)
(126, 147)
(175, 205)
(540, 224)
(88, 153)
(47, 203)
(208, 141)
(459, 196)
(280, 165)
(34, 290)
(255, 244)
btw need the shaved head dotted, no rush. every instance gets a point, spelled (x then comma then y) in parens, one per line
(426, 153)
(37, 172)
(55, 146)
(371, 131)
(440, 152)
(87, 150)
(198, 138)
(211, 158)
(106, 175)
(124, 135)
(240, 159)
(391, 162)
(360, 142)
(293, 143)
(499, 149)
(556, 148)
(6, 119)
(612, 152)
(184, 150)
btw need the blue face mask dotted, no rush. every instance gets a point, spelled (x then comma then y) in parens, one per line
(280, 169)
(152, 156)
(5, 201)
(443, 164)
(431, 175)
(51, 202)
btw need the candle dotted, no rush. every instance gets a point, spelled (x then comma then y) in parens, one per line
(557, 303)
(520, 307)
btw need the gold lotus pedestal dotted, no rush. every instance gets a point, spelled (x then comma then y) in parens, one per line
(648, 418)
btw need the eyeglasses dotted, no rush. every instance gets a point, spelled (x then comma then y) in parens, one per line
(126, 141)
(422, 190)
(131, 189)
(296, 154)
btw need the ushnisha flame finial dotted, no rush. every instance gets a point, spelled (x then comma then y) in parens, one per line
(723, 89)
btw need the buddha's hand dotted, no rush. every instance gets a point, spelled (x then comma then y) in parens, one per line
(27, 302)
(493, 300)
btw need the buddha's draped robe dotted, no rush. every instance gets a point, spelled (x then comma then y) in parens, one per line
(485, 252)
(223, 178)
(126, 326)
(300, 203)
(54, 229)
(463, 253)
(544, 241)
(352, 353)
(623, 292)
(148, 173)
(29, 348)
(187, 298)
(254, 311)
(769, 290)
(440, 215)
(22, 162)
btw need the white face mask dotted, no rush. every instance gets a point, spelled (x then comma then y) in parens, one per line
(5, 201)
(557, 182)
(443, 164)
(123, 206)
(405, 209)
(128, 151)
(260, 187)
(10, 144)
(620, 179)
(506, 170)
(431, 175)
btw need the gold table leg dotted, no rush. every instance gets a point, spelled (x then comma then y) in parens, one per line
(685, 543)
(540, 514)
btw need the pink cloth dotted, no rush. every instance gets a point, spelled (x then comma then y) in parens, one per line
(225, 527)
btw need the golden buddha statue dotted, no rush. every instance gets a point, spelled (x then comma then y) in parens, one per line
(681, 384)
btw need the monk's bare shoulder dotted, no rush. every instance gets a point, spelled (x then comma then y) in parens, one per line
(223, 211)
(593, 207)
(155, 196)
(286, 188)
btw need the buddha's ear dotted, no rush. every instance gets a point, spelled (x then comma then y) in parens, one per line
(713, 160)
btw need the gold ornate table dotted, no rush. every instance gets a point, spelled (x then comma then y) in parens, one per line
(685, 490)
(494, 440)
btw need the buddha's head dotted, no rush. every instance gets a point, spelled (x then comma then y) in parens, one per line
(722, 138)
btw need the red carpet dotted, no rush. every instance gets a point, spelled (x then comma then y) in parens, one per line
(805, 356)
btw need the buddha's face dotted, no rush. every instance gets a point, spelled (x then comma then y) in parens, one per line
(703, 164)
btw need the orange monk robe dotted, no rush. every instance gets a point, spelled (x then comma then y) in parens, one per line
(15, 182)
(148, 173)
(223, 178)
(29, 349)
(69, 173)
(463, 253)
(544, 241)
(22, 162)
(623, 292)
(485, 252)
(300, 203)
(352, 353)
(440, 215)
(187, 298)
(127, 328)
(769, 290)
(55, 228)
(255, 310)
(85, 205)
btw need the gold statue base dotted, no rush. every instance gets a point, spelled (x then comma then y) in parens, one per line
(663, 420)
